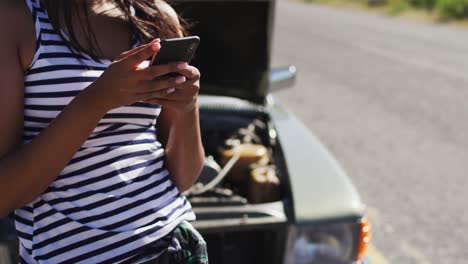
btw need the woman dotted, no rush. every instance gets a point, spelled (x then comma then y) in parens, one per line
(89, 178)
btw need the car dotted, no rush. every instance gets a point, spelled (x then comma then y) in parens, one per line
(269, 192)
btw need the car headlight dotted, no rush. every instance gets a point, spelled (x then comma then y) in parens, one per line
(336, 243)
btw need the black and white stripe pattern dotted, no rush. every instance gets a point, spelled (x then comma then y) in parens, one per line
(115, 197)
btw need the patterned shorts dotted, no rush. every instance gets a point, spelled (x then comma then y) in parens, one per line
(185, 246)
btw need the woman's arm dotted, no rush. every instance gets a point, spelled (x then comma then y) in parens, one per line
(184, 149)
(179, 126)
(27, 170)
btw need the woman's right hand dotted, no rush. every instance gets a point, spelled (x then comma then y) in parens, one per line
(123, 82)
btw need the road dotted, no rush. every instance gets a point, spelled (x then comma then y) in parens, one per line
(390, 100)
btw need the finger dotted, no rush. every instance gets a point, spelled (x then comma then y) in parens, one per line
(155, 95)
(163, 83)
(181, 95)
(189, 87)
(189, 83)
(156, 85)
(139, 56)
(134, 50)
(129, 52)
(182, 68)
(188, 71)
(153, 72)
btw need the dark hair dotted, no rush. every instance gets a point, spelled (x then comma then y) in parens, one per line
(143, 16)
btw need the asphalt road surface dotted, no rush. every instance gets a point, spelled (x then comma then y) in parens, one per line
(389, 98)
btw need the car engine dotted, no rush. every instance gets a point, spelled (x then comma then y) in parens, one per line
(240, 164)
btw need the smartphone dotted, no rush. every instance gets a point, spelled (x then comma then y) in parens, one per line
(176, 50)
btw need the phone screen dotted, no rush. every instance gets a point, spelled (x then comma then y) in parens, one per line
(176, 50)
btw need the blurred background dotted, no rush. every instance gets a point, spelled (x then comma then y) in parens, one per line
(384, 85)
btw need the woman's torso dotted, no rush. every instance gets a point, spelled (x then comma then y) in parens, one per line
(115, 197)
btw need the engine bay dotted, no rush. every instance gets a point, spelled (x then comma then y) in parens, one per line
(240, 165)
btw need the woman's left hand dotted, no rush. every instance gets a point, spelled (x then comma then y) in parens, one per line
(183, 97)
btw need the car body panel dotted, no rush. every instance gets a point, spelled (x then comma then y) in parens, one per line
(320, 188)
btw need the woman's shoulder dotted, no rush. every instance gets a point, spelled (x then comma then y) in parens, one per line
(17, 28)
(14, 16)
(167, 10)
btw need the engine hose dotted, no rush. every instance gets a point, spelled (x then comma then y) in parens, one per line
(195, 190)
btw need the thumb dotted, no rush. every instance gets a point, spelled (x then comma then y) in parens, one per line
(133, 59)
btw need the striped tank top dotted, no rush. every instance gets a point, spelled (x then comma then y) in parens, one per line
(115, 198)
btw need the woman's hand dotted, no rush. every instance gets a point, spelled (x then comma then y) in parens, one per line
(182, 97)
(124, 82)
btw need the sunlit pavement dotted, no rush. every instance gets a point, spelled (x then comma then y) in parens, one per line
(390, 100)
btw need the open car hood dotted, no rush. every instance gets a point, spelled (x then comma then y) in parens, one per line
(234, 52)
